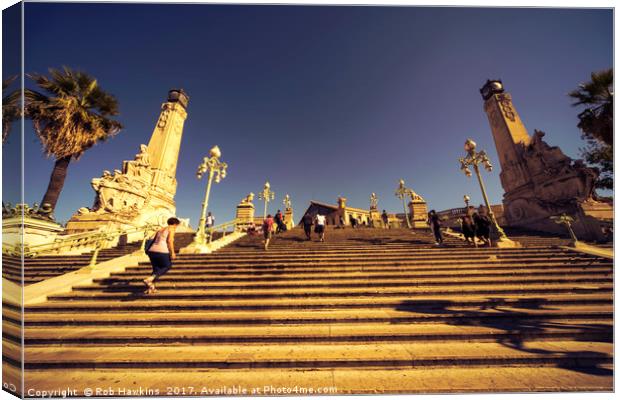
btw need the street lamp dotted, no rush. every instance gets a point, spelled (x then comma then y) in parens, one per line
(217, 170)
(287, 202)
(267, 195)
(373, 201)
(402, 192)
(473, 158)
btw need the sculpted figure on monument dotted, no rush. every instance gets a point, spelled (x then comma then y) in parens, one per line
(140, 166)
(142, 158)
(415, 197)
(97, 182)
(373, 201)
(556, 176)
(121, 179)
(248, 199)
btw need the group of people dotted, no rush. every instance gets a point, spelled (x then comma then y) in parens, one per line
(472, 225)
(267, 227)
(319, 225)
(476, 226)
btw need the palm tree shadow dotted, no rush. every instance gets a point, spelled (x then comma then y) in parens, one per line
(517, 327)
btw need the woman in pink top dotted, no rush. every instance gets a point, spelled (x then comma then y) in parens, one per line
(267, 227)
(161, 253)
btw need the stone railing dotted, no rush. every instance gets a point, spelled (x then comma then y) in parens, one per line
(223, 229)
(81, 242)
(68, 243)
(216, 237)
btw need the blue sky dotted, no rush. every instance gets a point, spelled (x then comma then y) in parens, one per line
(321, 101)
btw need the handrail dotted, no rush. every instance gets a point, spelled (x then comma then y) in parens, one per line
(105, 241)
(61, 239)
(98, 239)
(221, 227)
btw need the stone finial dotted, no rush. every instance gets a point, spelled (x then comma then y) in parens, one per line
(491, 87)
(178, 96)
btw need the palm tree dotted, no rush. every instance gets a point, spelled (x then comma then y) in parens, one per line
(11, 107)
(69, 118)
(596, 121)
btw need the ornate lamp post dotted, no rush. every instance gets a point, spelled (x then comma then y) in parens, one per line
(402, 192)
(287, 202)
(473, 158)
(217, 170)
(373, 201)
(266, 195)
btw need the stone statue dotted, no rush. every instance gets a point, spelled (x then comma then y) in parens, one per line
(287, 202)
(142, 158)
(414, 196)
(248, 199)
(373, 201)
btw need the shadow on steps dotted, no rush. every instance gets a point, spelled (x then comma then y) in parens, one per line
(520, 326)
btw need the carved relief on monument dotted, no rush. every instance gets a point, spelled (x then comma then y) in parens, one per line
(505, 103)
(124, 191)
(557, 177)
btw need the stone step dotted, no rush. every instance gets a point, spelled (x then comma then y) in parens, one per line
(327, 282)
(340, 381)
(356, 256)
(400, 355)
(409, 302)
(229, 252)
(232, 271)
(361, 275)
(378, 265)
(456, 288)
(405, 313)
(600, 331)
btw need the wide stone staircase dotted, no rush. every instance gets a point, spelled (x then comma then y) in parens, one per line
(366, 311)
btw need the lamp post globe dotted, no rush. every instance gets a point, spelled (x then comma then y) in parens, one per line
(215, 152)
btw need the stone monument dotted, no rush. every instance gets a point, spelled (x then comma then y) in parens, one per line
(374, 215)
(245, 210)
(418, 211)
(289, 220)
(539, 180)
(143, 191)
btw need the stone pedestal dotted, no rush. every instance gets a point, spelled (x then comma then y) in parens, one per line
(342, 211)
(35, 231)
(375, 218)
(245, 211)
(418, 211)
(289, 220)
(539, 180)
(143, 191)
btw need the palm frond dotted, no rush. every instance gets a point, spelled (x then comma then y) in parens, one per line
(73, 115)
